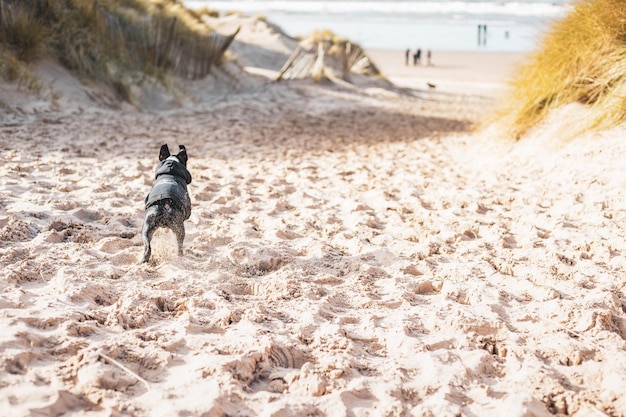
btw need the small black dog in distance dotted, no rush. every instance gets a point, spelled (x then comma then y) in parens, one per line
(168, 204)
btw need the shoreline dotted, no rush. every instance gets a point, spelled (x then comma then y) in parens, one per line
(464, 66)
(405, 23)
(484, 74)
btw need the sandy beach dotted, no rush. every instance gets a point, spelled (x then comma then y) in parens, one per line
(352, 251)
(469, 67)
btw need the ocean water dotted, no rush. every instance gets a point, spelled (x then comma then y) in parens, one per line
(453, 25)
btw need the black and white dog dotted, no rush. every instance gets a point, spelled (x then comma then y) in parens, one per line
(168, 203)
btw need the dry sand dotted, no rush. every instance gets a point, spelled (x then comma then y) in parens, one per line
(351, 252)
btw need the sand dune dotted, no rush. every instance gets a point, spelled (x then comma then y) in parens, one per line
(351, 252)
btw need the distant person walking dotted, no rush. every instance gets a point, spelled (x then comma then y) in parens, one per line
(428, 56)
(406, 57)
(417, 56)
(482, 35)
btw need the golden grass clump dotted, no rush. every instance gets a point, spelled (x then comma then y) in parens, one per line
(13, 70)
(190, 19)
(324, 35)
(582, 59)
(22, 31)
(204, 11)
(10, 68)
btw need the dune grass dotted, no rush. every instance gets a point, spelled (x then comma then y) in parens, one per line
(12, 71)
(22, 31)
(107, 40)
(582, 59)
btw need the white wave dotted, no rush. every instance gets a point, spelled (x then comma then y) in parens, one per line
(503, 8)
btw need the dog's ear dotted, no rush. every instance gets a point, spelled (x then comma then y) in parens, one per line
(164, 153)
(182, 155)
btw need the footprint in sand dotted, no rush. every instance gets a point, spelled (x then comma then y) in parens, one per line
(275, 368)
(85, 215)
(118, 247)
(64, 205)
(287, 235)
(208, 192)
(64, 402)
(73, 232)
(252, 261)
(12, 229)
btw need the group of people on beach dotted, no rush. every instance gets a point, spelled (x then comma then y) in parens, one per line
(417, 57)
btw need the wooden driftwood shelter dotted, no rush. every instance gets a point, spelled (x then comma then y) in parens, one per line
(327, 59)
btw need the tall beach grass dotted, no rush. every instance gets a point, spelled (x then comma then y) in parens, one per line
(582, 59)
(110, 40)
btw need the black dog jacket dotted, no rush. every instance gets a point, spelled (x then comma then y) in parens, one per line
(171, 182)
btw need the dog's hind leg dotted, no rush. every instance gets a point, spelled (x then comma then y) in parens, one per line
(179, 231)
(149, 226)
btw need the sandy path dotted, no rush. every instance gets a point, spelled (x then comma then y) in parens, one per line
(350, 253)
